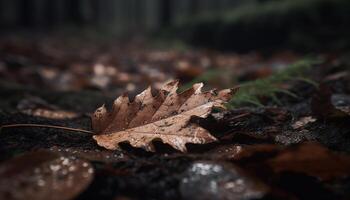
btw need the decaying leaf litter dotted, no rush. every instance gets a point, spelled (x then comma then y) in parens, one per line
(291, 149)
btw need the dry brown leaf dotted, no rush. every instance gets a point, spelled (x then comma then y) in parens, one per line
(165, 117)
(312, 159)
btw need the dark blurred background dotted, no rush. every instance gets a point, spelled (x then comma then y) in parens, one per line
(118, 15)
(118, 45)
(238, 25)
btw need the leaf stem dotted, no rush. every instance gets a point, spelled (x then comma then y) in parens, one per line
(45, 126)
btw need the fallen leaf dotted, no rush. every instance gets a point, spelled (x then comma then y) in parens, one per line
(38, 107)
(51, 114)
(303, 121)
(237, 152)
(165, 117)
(323, 108)
(44, 175)
(309, 158)
(312, 159)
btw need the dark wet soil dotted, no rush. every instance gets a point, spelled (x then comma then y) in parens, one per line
(296, 150)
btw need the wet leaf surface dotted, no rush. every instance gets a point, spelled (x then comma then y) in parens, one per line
(311, 159)
(164, 117)
(44, 175)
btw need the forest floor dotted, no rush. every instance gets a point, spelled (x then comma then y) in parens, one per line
(295, 145)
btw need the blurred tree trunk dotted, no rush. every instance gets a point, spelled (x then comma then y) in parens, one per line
(74, 12)
(50, 13)
(165, 13)
(193, 6)
(151, 15)
(95, 5)
(120, 15)
(26, 13)
(9, 13)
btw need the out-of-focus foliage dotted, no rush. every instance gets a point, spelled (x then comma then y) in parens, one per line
(251, 91)
(301, 25)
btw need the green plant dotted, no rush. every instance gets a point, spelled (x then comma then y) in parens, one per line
(251, 92)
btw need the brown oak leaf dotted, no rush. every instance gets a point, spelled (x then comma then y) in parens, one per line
(164, 117)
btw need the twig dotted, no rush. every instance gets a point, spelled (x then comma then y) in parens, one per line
(44, 126)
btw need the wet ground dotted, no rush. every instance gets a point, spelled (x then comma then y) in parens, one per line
(297, 149)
